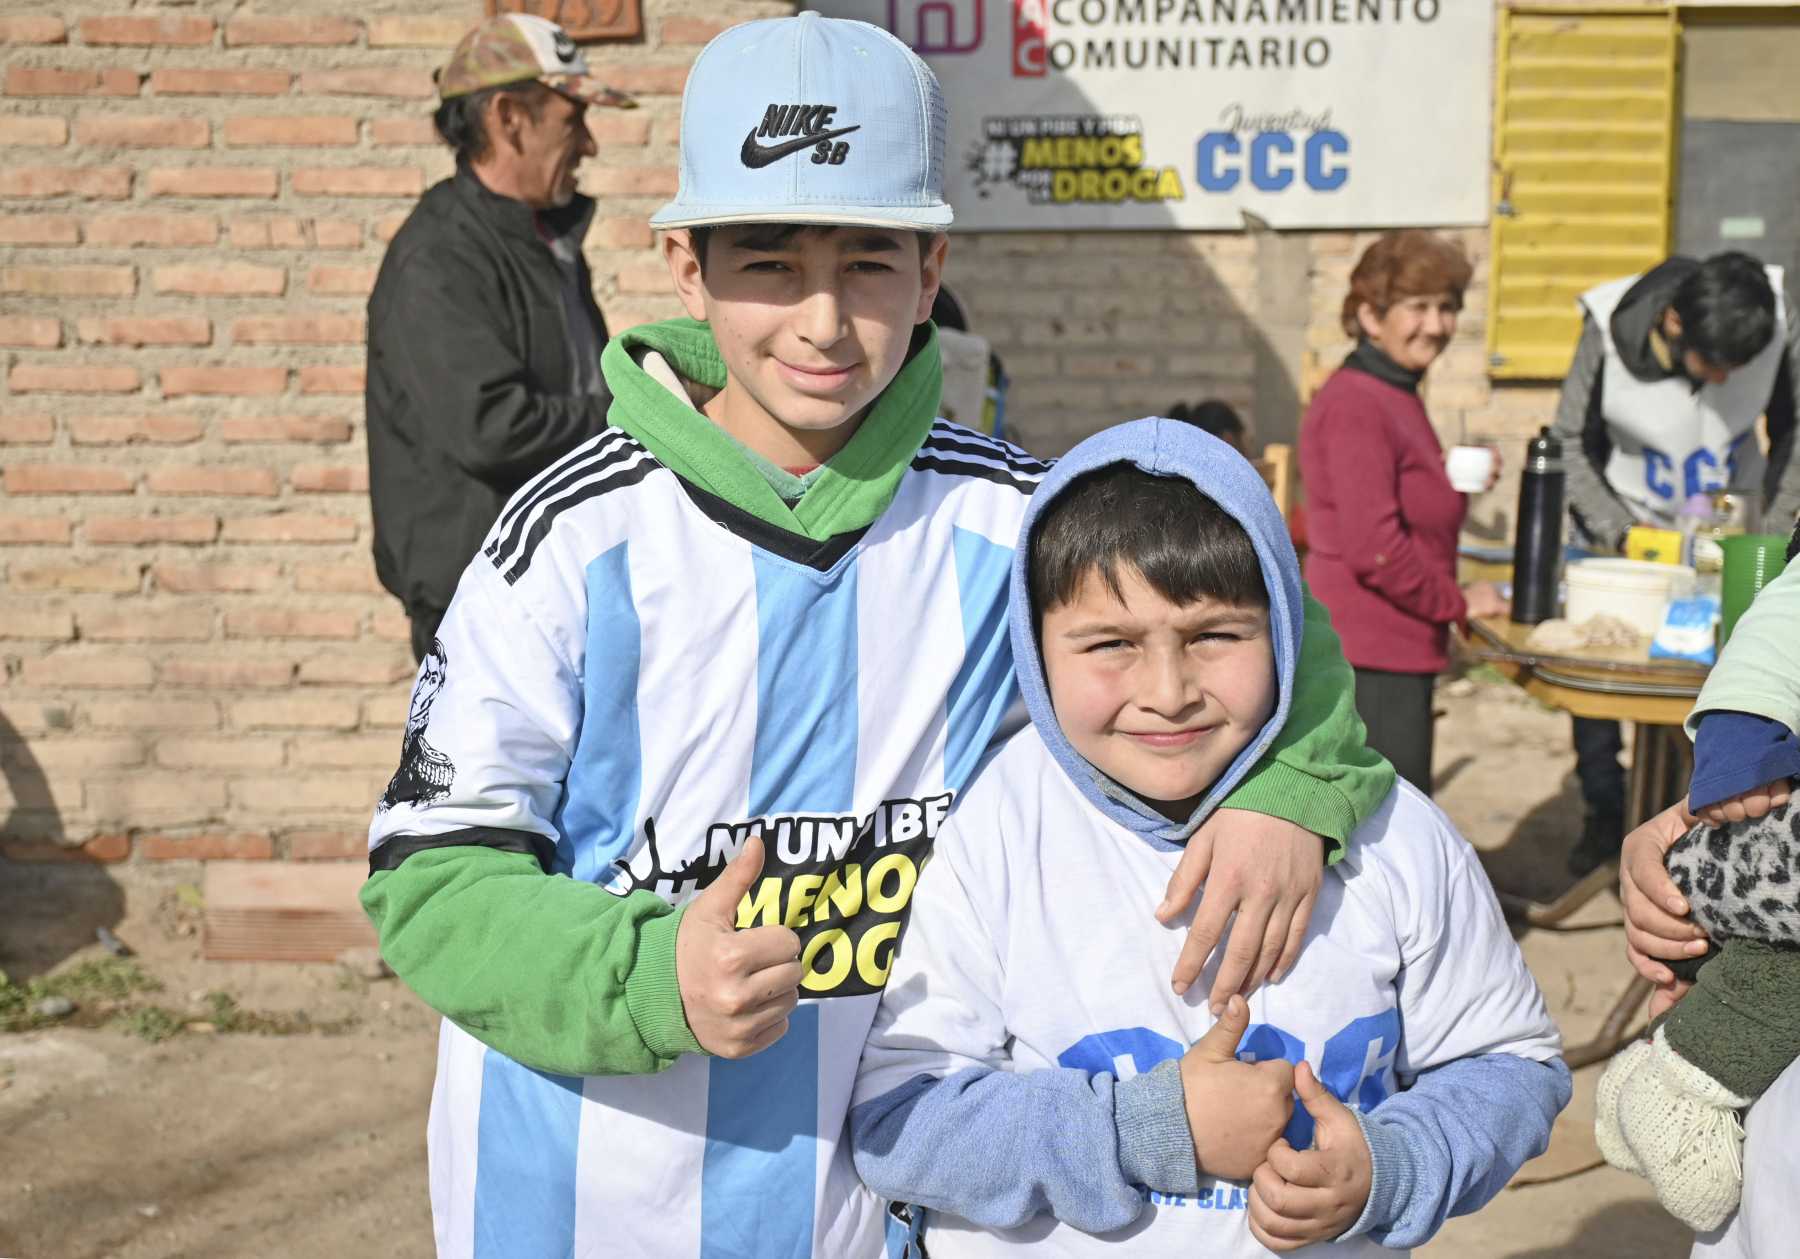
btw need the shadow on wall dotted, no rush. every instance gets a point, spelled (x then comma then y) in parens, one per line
(48, 909)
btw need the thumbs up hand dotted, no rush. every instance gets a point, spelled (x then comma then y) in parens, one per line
(1235, 1109)
(1299, 1197)
(737, 987)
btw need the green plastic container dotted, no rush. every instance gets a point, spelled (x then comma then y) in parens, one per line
(1752, 561)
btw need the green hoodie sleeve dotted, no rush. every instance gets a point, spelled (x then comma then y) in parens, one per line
(1319, 773)
(559, 975)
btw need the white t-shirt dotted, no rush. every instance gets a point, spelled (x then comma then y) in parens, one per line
(1032, 945)
(1768, 1216)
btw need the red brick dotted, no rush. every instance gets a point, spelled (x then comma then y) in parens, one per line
(317, 430)
(649, 276)
(16, 530)
(331, 478)
(290, 623)
(49, 81)
(109, 183)
(27, 430)
(291, 131)
(173, 231)
(232, 279)
(138, 622)
(212, 181)
(290, 526)
(213, 480)
(39, 229)
(338, 793)
(38, 378)
(623, 233)
(391, 710)
(220, 82)
(242, 846)
(248, 29)
(147, 29)
(309, 712)
(640, 79)
(388, 225)
(337, 579)
(632, 181)
(116, 752)
(399, 132)
(359, 181)
(416, 32)
(122, 430)
(204, 753)
(32, 30)
(327, 845)
(142, 132)
(268, 231)
(214, 578)
(360, 668)
(153, 330)
(245, 382)
(298, 330)
(153, 714)
(105, 579)
(331, 380)
(164, 799)
(693, 30)
(211, 673)
(337, 233)
(614, 126)
(33, 131)
(69, 281)
(103, 849)
(67, 478)
(394, 81)
(30, 332)
(148, 530)
(345, 281)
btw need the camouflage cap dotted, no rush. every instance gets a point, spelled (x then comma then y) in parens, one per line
(517, 48)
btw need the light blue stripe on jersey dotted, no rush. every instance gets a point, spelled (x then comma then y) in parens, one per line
(984, 684)
(762, 1113)
(525, 1161)
(598, 818)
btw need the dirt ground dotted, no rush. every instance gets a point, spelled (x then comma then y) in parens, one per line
(306, 1139)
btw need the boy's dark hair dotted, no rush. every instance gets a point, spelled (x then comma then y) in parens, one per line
(461, 121)
(777, 236)
(1215, 416)
(1186, 546)
(1727, 309)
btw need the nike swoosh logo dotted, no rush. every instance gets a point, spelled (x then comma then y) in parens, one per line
(756, 156)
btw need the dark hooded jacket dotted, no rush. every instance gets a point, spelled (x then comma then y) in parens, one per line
(474, 385)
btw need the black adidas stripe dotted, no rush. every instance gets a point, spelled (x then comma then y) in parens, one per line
(596, 447)
(512, 522)
(984, 471)
(1011, 458)
(514, 565)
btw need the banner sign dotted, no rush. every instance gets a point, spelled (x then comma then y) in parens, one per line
(1080, 114)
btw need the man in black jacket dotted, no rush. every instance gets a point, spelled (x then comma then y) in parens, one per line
(484, 338)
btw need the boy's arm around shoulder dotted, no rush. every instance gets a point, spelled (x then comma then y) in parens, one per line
(554, 972)
(1480, 1058)
(1319, 773)
(937, 1119)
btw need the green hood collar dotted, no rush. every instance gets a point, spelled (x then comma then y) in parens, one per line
(853, 488)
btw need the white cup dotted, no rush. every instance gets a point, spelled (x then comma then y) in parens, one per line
(1470, 467)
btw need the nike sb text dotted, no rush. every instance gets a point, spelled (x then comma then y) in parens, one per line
(808, 125)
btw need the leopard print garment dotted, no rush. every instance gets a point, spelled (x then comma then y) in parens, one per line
(1743, 878)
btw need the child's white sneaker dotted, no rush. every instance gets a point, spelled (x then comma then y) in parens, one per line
(1682, 1125)
(1606, 1107)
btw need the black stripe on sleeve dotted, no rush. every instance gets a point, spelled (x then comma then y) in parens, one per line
(983, 471)
(514, 565)
(507, 533)
(392, 851)
(944, 444)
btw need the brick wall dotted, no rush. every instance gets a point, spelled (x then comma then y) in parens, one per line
(195, 658)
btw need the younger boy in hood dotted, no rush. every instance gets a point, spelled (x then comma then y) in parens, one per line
(1030, 1081)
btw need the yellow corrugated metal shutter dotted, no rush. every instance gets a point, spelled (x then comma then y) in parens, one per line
(1584, 157)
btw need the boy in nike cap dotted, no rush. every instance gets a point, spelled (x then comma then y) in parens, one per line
(703, 700)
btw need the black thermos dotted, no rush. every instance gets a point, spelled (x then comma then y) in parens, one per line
(1538, 544)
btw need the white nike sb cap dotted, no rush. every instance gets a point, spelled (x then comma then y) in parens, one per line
(810, 120)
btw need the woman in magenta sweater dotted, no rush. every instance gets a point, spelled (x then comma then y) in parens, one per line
(1382, 517)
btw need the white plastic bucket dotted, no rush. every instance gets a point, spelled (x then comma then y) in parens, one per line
(1636, 591)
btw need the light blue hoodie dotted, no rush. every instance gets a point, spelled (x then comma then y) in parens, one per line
(1443, 1147)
